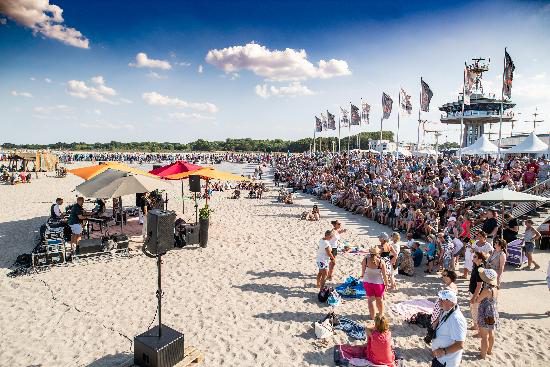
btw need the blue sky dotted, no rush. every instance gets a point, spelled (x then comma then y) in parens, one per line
(179, 71)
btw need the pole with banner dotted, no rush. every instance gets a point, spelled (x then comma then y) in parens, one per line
(419, 118)
(501, 108)
(462, 114)
(398, 114)
(339, 123)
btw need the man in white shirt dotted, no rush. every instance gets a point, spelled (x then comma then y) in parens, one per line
(450, 332)
(324, 258)
(55, 210)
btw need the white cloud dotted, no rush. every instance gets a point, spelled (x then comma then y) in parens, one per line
(292, 90)
(32, 78)
(3, 21)
(96, 90)
(183, 63)
(189, 116)
(288, 64)
(156, 99)
(200, 69)
(106, 125)
(21, 94)
(51, 109)
(154, 75)
(539, 76)
(47, 80)
(143, 61)
(97, 112)
(44, 19)
(126, 100)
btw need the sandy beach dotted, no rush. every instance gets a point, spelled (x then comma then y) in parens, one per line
(248, 299)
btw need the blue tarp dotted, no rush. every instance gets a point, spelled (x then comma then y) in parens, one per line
(352, 288)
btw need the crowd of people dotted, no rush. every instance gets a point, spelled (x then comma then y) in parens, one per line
(150, 158)
(419, 197)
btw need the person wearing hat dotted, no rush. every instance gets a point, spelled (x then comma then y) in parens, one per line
(374, 275)
(450, 334)
(487, 316)
(334, 242)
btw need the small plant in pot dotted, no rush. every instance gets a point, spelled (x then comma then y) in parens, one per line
(204, 219)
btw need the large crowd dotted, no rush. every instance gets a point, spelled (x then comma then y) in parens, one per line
(419, 196)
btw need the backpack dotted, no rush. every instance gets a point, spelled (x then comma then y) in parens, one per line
(324, 294)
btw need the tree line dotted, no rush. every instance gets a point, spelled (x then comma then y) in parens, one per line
(201, 145)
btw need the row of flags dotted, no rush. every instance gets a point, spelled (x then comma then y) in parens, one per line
(357, 116)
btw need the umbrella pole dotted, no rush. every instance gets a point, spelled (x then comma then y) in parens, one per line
(207, 180)
(502, 221)
(121, 216)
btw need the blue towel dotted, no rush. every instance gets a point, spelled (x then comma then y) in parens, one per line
(352, 328)
(352, 288)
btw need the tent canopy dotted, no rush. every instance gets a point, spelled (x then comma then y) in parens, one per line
(174, 169)
(208, 173)
(113, 183)
(506, 196)
(480, 147)
(531, 144)
(91, 171)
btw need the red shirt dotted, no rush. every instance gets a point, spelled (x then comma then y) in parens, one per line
(534, 164)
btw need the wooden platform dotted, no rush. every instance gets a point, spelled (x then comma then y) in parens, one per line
(192, 357)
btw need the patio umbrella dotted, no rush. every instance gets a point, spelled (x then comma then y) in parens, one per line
(92, 171)
(112, 183)
(505, 196)
(173, 169)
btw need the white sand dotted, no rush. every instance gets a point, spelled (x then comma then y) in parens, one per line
(246, 300)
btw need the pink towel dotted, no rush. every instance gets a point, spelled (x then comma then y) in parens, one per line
(413, 306)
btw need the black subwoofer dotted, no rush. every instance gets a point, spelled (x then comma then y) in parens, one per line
(150, 350)
(160, 231)
(195, 183)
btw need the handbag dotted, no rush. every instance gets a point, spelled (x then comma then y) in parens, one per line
(436, 363)
(323, 329)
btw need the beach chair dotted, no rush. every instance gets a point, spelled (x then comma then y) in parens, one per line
(516, 255)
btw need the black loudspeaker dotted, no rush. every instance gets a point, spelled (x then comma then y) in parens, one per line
(160, 231)
(195, 183)
(150, 350)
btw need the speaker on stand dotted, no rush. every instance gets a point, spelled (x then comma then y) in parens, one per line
(160, 346)
(194, 187)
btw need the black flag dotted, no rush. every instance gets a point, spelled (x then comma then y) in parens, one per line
(425, 96)
(331, 124)
(355, 118)
(318, 124)
(509, 68)
(387, 103)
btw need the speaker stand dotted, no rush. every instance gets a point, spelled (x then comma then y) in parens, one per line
(159, 293)
(196, 209)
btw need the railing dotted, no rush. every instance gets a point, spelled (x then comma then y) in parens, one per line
(540, 189)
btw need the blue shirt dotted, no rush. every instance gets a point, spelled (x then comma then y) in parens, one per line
(431, 250)
(417, 257)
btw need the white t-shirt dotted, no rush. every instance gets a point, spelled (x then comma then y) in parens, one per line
(57, 210)
(452, 330)
(396, 246)
(321, 251)
(335, 239)
(486, 247)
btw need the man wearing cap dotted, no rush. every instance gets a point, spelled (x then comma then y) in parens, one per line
(450, 334)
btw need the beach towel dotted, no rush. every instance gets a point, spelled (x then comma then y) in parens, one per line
(351, 288)
(352, 355)
(411, 307)
(352, 328)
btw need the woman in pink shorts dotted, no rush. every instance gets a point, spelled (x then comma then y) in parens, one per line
(375, 279)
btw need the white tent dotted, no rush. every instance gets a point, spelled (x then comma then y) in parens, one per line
(505, 196)
(481, 146)
(424, 152)
(531, 144)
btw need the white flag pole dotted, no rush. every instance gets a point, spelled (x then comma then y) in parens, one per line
(462, 115)
(419, 118)
(398, 113)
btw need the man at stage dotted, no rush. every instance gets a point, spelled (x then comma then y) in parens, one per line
(55, 210)
(75, 222)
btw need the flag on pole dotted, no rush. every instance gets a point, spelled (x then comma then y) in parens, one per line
(365, 112)
(509, 68)
(405, 101)
(469, 81)
(425, 96)
(324, 123)
(318, 125)
(387, 103)
(331, 123)
(344, 120)
(355, 118)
